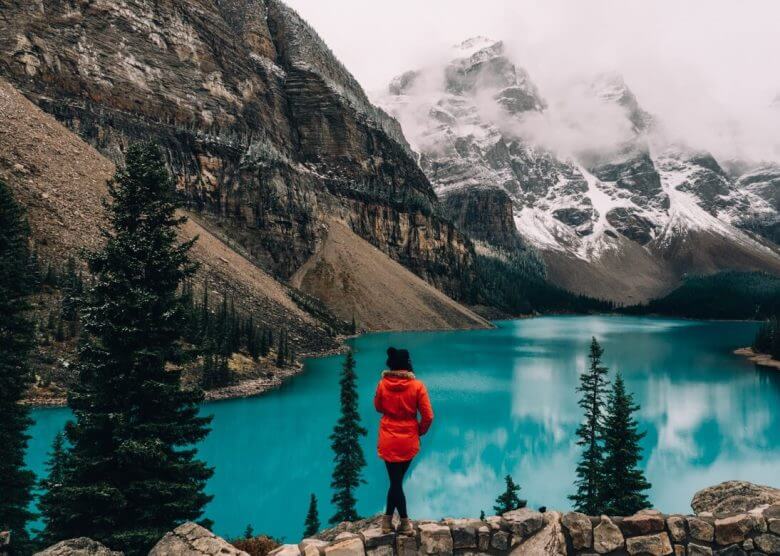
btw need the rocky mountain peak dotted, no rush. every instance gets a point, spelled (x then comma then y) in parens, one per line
(589, 204)
(611, 87)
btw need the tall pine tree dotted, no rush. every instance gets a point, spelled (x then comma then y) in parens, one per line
(16, 340)
(312, 524)
(623, 483)
(347, 451)
(50, 502)
(508, 500)
(593, 387)
(132, 474)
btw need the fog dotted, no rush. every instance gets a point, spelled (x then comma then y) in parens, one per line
(707, 70)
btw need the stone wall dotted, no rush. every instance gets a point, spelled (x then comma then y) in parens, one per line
(527, 532)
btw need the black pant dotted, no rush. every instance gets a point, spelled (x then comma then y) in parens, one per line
(395, 494)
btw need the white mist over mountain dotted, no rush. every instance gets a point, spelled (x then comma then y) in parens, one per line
(705, 68)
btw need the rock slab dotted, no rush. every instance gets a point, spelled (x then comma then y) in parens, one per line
(193, 540)
(81, 546)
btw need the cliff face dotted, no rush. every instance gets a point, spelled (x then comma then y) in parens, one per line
(265, 130)
(485, 214)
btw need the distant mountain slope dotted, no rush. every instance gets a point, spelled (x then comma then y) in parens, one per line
(268, 134)
(61, 181)
(621, 219)
(359, 281)
(723, 295)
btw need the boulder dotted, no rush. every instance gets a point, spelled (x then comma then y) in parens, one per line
(698, 550)
(676, 526)
(580, 529)
(649, 545)
(733, 496)
(352, 546)
(193, 540)
(642, 523)
(767, 543)
(523, 522)
(81, 546)
(733, 529)
(435, 539)
(700, 529)
(606, 536)
(549, 541)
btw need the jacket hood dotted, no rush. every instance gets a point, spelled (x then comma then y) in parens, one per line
(397, 380)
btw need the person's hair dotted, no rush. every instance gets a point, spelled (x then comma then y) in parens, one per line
(398, 360)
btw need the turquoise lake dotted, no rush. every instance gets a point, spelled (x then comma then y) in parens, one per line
(505, 402)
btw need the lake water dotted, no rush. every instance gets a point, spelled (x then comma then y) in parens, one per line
(505, 403)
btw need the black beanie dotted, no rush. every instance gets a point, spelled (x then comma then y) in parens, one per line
(398, 360)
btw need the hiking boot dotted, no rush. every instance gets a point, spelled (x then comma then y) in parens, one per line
(387, 524)
(406, 527)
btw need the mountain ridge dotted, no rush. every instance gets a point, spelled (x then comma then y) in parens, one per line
(599, 211)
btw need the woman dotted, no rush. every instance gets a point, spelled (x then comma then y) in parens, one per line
(399, 397)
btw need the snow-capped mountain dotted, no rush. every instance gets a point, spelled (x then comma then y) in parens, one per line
(614, 212)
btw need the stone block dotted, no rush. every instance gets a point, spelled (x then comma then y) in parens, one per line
(464, 532)
(286, 550)
(580, 529)
(734, 550)
(406, 546)
(607, 536)
(699, 550)
(312, 547)
(501, 541)
(642, 523)
(350, 546)
(733, 529)
(483, 538)
(649, 545)
(768, 543)
(373, 538)
(676, 526)
(435, 539)
(700, 529)
(523, 522)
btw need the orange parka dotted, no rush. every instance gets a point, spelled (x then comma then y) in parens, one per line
(399, 397)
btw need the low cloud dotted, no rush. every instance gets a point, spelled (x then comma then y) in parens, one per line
(705, 68)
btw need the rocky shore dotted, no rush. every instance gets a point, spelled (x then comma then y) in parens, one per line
(746, 522)
(760, 359)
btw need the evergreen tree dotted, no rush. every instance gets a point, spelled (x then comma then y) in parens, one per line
(132, 473)
(508, 500)
(249, 532)
(624, 482)
(312, 524)
(16, 340)
(593, 387)
(482, 515)
(51, 503)
(345, 442)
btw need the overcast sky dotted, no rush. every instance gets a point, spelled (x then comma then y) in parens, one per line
(691, 61)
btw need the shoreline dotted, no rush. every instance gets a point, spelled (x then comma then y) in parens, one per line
(759, 359)
(244, 389)
(258, 386)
